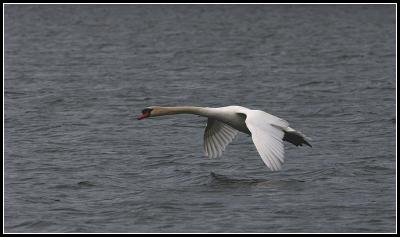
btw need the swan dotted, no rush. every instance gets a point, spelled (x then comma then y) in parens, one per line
(267, 131)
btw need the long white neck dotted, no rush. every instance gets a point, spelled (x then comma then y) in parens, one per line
(202, 111)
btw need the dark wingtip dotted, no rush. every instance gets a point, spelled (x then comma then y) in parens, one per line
(295, 138)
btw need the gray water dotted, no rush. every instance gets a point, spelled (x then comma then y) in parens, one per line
(77, 160)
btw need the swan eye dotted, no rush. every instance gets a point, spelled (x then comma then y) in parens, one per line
(146, 111)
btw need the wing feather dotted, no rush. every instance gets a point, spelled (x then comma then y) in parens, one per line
(267, 137)
(216, 137)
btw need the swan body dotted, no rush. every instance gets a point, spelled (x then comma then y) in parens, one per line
(267, 131)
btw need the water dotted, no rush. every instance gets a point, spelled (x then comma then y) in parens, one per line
(77, 160)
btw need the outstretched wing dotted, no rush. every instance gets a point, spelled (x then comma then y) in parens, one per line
(267, 134)
(216, 137)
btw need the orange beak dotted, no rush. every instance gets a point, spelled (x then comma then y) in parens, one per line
(142, 116)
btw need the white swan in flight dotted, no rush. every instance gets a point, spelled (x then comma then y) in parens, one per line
(267, 131)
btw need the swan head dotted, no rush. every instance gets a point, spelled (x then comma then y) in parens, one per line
(145, 113)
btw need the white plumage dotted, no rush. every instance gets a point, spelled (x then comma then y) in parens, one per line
(267, 131)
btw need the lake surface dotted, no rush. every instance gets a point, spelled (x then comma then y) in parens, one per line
(77, 160)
